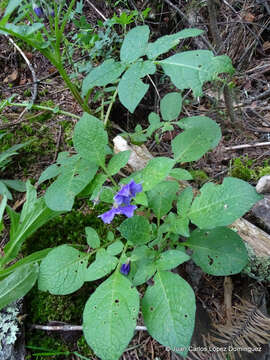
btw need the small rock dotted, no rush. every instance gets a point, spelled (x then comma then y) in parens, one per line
(263, 186)
(261, 210)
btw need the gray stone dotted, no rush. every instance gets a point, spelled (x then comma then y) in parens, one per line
(11, 333)
(263, 186)
(261, 211)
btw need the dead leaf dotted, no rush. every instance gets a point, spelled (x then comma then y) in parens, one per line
(11, 77)
(249, 17)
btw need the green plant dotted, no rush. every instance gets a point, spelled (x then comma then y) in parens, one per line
(5, 159)
(147, 244)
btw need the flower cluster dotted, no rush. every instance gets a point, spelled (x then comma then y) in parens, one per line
(122, 202)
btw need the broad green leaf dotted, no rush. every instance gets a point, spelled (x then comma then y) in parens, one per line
(145, 270)
(135, 44)
(34, 214)
(201, 134)
(114, 307)
(131, 89)
(156, 171)
(165, 43)
(219, 251)
(92, 237)
(170, 106)
(191, 69)
(221, 205)
(177, 224)
(115, 248)
(62, 271)
(142, 252)
(75, 174)
(90, 139)
(17, 284)
(11, 6)
(24, 30)
(170, 259)
(168, 309)
(95, 186)
(136, 230)
(141, 199)
(155, 124)
(17, 185)
(184, 201)
(181, 174)
(11, 151)
(30, 259)
(102, 266)
(3, 205)
(104, 74)
(160, 198)
(4, 190)
(49, 173)
(118, 161)
(106, 194)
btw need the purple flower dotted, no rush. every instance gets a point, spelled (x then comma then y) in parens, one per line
(125, 268)
(38, 11)
(108, 216)
(123, 197)
(127, 192)
(52, 13)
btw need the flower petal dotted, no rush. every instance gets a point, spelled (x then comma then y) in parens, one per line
(108, 216)
(134, 188)
(128, 211)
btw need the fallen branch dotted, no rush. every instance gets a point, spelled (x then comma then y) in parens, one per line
(245, 146)
(69, 327)
(34, 92)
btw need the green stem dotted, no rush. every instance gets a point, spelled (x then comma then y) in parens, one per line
(109, 176)
(110, 108)
(40, 107)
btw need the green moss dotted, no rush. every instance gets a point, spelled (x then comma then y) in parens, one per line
(241, 169)
(84, 349)
(44, 344)
(69, 228)
(199, 176)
